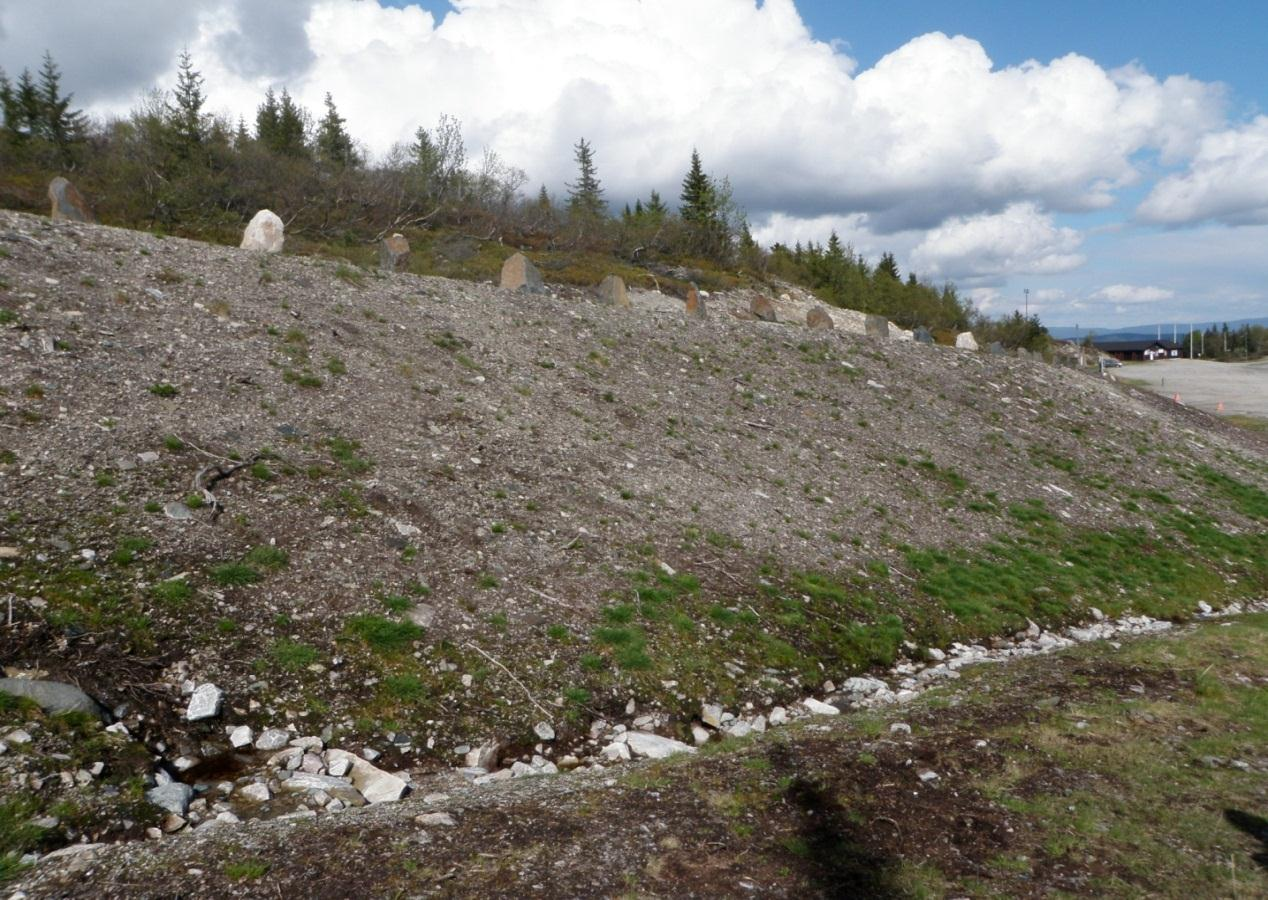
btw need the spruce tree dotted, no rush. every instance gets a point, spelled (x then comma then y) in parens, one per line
(27, 99)
(699, 205)
(292, 128)
(585, 195)
(888, 267)
(60, 126)
(334, 144)
(185, 113)
(266, 120)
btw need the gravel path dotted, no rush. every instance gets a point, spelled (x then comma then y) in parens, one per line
(1241, 387)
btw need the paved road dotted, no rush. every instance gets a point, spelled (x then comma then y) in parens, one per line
(1241, 387)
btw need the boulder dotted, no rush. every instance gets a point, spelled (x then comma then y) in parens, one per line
(394, 254)
(763, 308)
(272, 739)
(819, 319)
(996, 348)
(695, 303)
(877, 327)
(486, 755)
(67, 203)
(52, 696)
(965, 341)
(519, 274)
(653, 746)
(264, 233)
(819, 708)
(372, 782)
(612, 292)
(922, 335)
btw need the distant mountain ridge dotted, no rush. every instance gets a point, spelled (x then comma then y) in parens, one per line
(1145, 332)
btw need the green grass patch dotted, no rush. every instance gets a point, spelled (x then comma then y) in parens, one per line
(384, 635)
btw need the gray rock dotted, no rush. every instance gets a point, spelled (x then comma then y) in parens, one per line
(173, 797)
(311, 781)
(272, 739)
(863, 686)
(876, 327)
(394, 254)
(67, 203)
(518, 274)
(241, 737)
(204, 703)
(53, 696)
(922, 335)
(544, 731)
(818, 319)
(373, 783)
(612, 292)
(255, 793)
(711, 715)
(763, 308)
(264, 233)
(995, 348)
(435, 819)
(421, 615)
(178, 511)
(485, 756)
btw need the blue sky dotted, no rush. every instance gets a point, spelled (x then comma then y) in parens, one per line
(999, 145)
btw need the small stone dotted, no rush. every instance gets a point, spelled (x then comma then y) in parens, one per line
(435, 820)
(778, 716)
(544, 731)
(700, 735)
(485, 756)
(204, 703)
(178, 511)
(819, 708)
(926, 776)
(711, 715)
(370, 753)
(339, 768)
(255, 793)
(618, 751)
(173, 797)
(310, 744)
(173, 823)
(148, 457)
(272, 739)
(240, 737)
(900, 728)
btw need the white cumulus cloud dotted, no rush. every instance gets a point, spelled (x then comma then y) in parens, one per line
(1226, 181)
(1021, 240)
(1126, 294)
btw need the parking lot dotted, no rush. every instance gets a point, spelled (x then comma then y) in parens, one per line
(1241, 387)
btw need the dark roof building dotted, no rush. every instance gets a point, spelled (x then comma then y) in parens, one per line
(1132, 351)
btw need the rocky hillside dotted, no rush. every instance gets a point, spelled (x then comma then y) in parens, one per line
(437, 524)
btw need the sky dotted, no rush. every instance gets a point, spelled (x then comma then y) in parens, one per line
(1109, 157)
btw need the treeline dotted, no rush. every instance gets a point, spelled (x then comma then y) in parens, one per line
(172, 165)
(1227, 344)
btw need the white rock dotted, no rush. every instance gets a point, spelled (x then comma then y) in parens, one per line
(18, 737)
(711, 715)
(653, 746)
(265, 233)
(204, 703)
(374, 784)
(339, 767)
(863, 686)
(778, 716)
(699, 734)
(966, 341)
(936, 655)
(308, 744)
(240, 737)
(544, 731)
(927, 776)
(435, 819)
(819, 708)
(617, 751)
(173, 797)
(900, 728)
(759, 724)
(255, 793)
(739, 729)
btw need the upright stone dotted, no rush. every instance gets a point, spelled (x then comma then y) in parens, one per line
(996, 348)
(695, 303)
(819, 320)
(763, 308)
(877, 327)
(922, 335)
(965, 341)
(264, 233)
(394, 254)
(612, 292)
(67, 203)
(519, 274)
